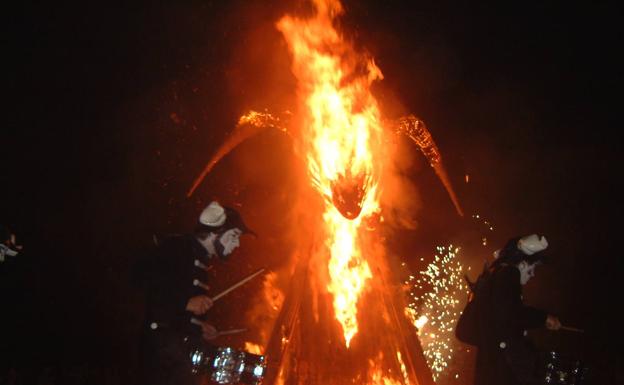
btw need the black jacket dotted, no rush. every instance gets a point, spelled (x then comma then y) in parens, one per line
(169, 275)
(505, 356)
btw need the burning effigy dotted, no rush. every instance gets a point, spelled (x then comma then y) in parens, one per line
(341, 319)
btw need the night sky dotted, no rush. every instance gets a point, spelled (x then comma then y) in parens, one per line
(111, 111)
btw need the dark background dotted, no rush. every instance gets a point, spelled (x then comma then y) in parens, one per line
(111, 111)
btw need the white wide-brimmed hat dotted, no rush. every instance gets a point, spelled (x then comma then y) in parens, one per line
(213, 215)
(532, 244)
(220, 218)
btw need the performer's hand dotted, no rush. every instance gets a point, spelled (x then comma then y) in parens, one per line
(199, 304)
(209, 332)
(552, 323)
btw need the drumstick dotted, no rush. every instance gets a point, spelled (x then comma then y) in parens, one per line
(236, 285)
(231, 331)
(571, 329)
(197, 322)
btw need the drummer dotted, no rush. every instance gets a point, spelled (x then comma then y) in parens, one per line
(176, 298)
(505, 356)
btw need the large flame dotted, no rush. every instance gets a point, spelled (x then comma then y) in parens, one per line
(342, 142)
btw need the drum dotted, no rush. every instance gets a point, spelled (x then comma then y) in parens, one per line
(229, 366)
(558, 369)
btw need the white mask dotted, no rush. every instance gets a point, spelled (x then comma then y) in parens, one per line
(230, 240)
(527, 271)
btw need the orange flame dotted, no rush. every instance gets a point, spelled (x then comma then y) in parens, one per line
(377, 375)
(342, 140)
(253, 348)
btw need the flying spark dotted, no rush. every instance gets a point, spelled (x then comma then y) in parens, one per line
(437, 296)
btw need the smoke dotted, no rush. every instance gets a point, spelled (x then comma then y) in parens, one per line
(258, 72)
(400, 198)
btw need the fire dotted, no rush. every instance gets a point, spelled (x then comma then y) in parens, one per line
(272, 295)
(403, 369)
(378, 377)
(253, 348)
(342, 140)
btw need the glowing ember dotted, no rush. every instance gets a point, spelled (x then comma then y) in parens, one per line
(342, 138)
(437, 300)
(485, 225)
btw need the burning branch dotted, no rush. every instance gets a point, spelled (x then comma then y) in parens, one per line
(416, 130)
(248, 126)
